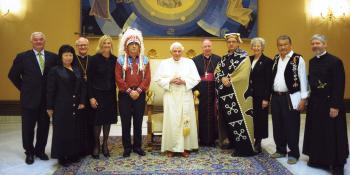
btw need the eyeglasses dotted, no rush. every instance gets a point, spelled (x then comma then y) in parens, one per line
(82, 45)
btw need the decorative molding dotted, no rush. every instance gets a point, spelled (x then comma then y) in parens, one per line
(191, 53)
(12, 107)
(152, 54)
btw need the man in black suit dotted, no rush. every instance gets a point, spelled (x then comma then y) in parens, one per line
(29, 74)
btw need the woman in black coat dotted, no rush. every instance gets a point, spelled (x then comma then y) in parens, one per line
(64, 99)
(102, 93)
(260, 86)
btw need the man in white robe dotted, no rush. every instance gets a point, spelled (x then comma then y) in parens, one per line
(177, 76)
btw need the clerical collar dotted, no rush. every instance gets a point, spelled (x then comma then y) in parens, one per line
(323, 53)
(83, 57)
(206, 57)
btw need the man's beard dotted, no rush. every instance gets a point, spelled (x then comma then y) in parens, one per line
(318, 52)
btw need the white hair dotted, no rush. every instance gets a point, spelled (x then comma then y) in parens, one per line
(81, 38)
(176, 45)
(319, 37)
(256, 40)
(37, 33)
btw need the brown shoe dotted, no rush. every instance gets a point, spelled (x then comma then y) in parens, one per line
(185, 154)
(170, 154)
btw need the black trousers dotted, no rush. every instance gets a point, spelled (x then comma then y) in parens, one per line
(286, 125)
(131, 109)
(30, 118)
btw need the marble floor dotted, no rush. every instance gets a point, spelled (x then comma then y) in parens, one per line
(12, 156)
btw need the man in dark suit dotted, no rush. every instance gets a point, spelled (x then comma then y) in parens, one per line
(29, 74)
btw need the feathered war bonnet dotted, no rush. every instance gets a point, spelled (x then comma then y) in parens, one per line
(131, 35)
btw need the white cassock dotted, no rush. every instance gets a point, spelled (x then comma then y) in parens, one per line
(178, 104)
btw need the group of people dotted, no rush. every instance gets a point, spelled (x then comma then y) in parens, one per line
(237, 90)
(78, 92)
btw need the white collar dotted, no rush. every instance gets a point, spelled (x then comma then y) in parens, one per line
(323, 53)
(36, 52)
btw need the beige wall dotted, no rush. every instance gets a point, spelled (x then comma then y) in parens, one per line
(60, 19)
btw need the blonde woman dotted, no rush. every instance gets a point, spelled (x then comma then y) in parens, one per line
(102, 92)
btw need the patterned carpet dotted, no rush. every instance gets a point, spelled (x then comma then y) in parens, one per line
(206, 161)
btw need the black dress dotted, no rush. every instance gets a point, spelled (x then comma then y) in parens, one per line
(64, 94)
(260, 87)
(102, 87)
(207, 116)
(325, 139)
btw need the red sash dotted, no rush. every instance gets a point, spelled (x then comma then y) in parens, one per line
(208, 77)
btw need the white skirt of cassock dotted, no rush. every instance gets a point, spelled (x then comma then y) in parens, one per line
(178, 106)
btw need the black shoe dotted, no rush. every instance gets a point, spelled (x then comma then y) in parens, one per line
(258, 148)
(42, 156)
(226, 146)
(257, 145)
(29, 159)
(315, 165)
(126, 153)
(140, 152)
(96, 152)
(237, 154)
(105, 151)
(64, 162)
(74, 159)
(337, 170)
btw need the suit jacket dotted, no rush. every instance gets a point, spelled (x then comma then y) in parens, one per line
(26, 75)
(62, 92)
(260, 77)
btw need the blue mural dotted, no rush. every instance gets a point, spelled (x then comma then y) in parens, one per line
(170, 18)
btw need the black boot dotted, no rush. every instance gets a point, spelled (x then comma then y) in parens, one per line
(96, 150)
(338, 170)
(257, 145)
(106, 129)
(64, 161)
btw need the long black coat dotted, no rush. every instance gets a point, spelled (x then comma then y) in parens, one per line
(325, 139)
(25, 74)
(260, 87)
(65, 92)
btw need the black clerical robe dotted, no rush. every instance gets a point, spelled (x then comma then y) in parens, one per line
(207, 117)
(325, 139)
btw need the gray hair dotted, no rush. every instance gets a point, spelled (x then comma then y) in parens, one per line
(176, 45)
(81, 38)
(285, 37)
(256, 40)
(319, 37)
(37, 33)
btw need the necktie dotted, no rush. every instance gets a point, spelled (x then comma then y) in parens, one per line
(41, 62)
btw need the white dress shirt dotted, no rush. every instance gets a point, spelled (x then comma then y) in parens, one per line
(279, 84)
(254, 62)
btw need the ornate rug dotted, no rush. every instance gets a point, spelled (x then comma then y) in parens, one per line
(207, 160)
